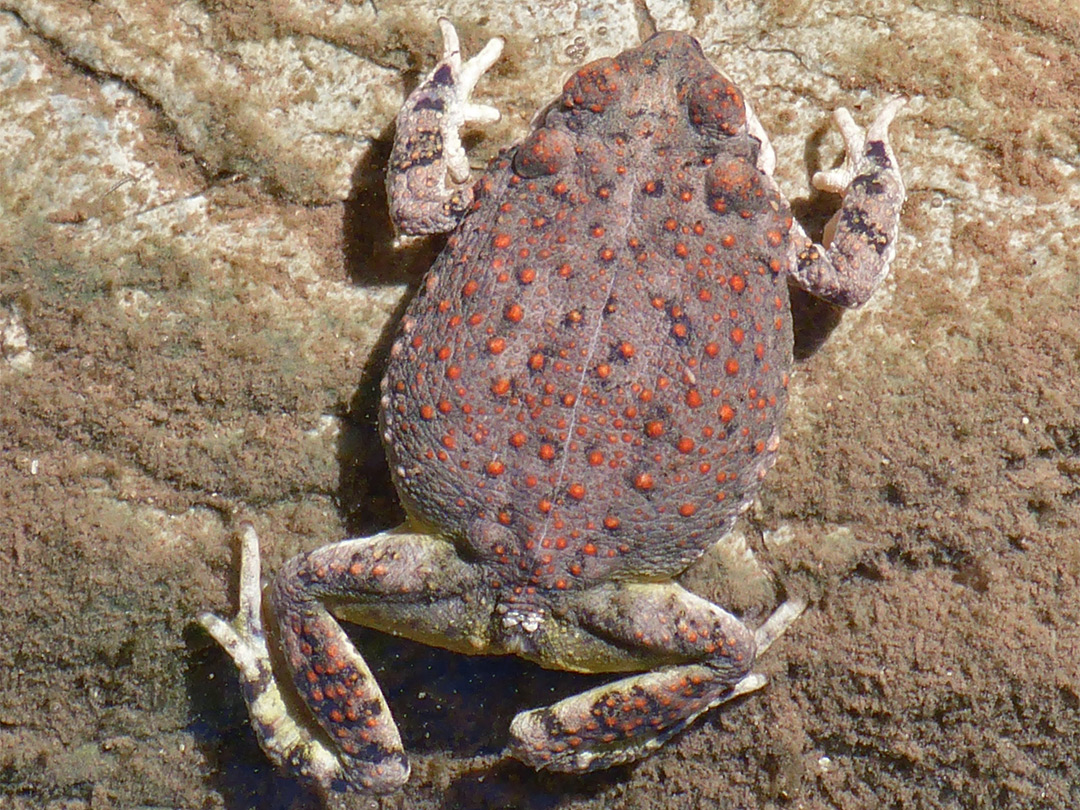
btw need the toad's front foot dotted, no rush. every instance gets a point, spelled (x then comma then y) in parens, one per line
(289, 745)
(860, 240)
(427, 179)
(862, 148)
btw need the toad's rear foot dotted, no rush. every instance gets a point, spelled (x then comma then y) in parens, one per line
(289, 745)
(627, 720)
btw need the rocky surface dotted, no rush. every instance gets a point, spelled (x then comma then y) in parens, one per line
(197, 282)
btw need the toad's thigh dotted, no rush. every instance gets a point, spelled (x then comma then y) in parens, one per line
(627, 627)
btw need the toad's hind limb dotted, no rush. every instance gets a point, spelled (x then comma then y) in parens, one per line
(400, 581)
(696, 654)
(691, 654)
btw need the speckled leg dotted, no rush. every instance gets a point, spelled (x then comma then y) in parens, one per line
(861, 237)
(699, 656)
(427, 180)
(399, 581)
(289, 745)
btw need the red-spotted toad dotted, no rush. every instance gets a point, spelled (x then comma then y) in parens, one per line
(582, 398)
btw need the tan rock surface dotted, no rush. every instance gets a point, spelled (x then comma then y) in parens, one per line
(197, 282)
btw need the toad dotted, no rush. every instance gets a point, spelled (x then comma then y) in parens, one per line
(581, 399)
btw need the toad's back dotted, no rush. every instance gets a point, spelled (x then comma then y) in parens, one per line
(590, 382)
